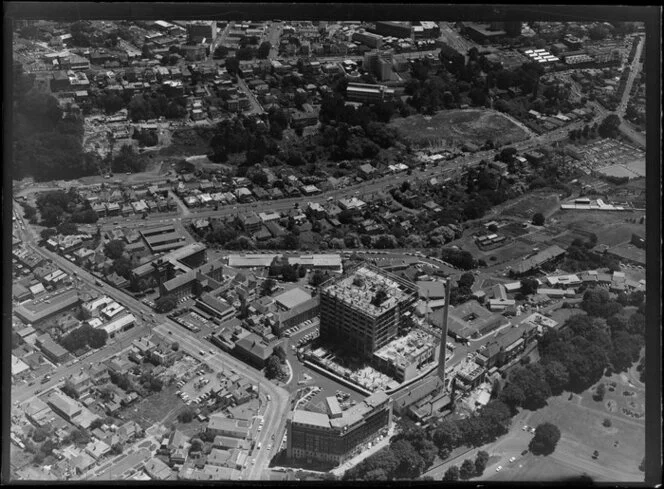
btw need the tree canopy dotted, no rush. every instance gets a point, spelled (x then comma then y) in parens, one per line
(545, 440)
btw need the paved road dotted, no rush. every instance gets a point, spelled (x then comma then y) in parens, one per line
(256, 107)
(275, 416)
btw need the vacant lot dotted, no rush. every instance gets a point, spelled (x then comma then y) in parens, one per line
(611, 228)
(525, 207)
(161, 407)
(459, 127)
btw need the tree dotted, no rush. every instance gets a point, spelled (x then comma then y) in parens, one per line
(220, 52)
(317, 278)
(185, 416)
(467, 469)
(280, 353)
(267, 286)
(608, 128)
(410, 462)
(273, 367)
(480, 462)
(545, 440)
(165, 304)
(452, 474)
(175, 346)
(264, 49)
(529, 286)
(557, 376)
(606, 423)
(114, 249)
(116, 449)
(594, 301)
(80, 436)
(39, 434)
(600, 392)
(196, 445)
(68, 388)
(538, 219)
(466, 280)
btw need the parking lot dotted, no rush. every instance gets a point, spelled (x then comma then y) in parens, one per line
(197, 387)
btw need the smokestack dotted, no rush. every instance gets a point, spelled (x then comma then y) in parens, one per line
(443, 334)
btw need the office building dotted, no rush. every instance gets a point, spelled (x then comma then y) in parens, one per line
(362, 309)
(379, 64)
(366, 92)
(367, 38)
(338, 435)
(401, 30)
(200, 31)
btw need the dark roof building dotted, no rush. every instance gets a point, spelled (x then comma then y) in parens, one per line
(252, 349)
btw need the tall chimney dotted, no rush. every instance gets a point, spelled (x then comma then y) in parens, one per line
(443, 334)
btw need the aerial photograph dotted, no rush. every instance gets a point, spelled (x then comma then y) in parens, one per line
(286, 250)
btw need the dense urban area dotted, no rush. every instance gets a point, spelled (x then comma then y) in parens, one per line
(288, 250)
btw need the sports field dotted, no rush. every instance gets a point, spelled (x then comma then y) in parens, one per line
(459, 127)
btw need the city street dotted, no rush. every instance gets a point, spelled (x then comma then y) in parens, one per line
(275, 416)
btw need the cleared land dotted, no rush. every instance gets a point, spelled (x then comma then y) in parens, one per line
(532, 203)
(459, 127)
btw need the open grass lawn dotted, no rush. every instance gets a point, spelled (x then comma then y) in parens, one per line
(462, 126)
(614, 234)
(611, 228)
(582, 432)
(513, 229)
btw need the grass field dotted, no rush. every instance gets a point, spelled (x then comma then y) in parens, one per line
(525, 207)
(580, 422)
(460, 126)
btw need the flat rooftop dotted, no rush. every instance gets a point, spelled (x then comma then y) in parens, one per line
(348, 417)
(31, 312)
(358, 289)
(403, 350)
(292, 298)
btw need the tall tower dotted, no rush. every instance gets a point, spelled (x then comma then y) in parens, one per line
(443, 334)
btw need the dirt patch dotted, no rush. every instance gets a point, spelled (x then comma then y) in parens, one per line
(458, 127)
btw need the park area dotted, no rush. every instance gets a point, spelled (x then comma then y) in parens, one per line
(459, 127)
(581, 420)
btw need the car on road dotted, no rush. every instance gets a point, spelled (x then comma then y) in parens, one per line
(202, 353)
(525, 452)
(253, 461)
(532, 430)
(512, 459)
(525, 427)
(499, 468)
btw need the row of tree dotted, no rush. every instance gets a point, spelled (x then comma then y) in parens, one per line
(414, 449)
